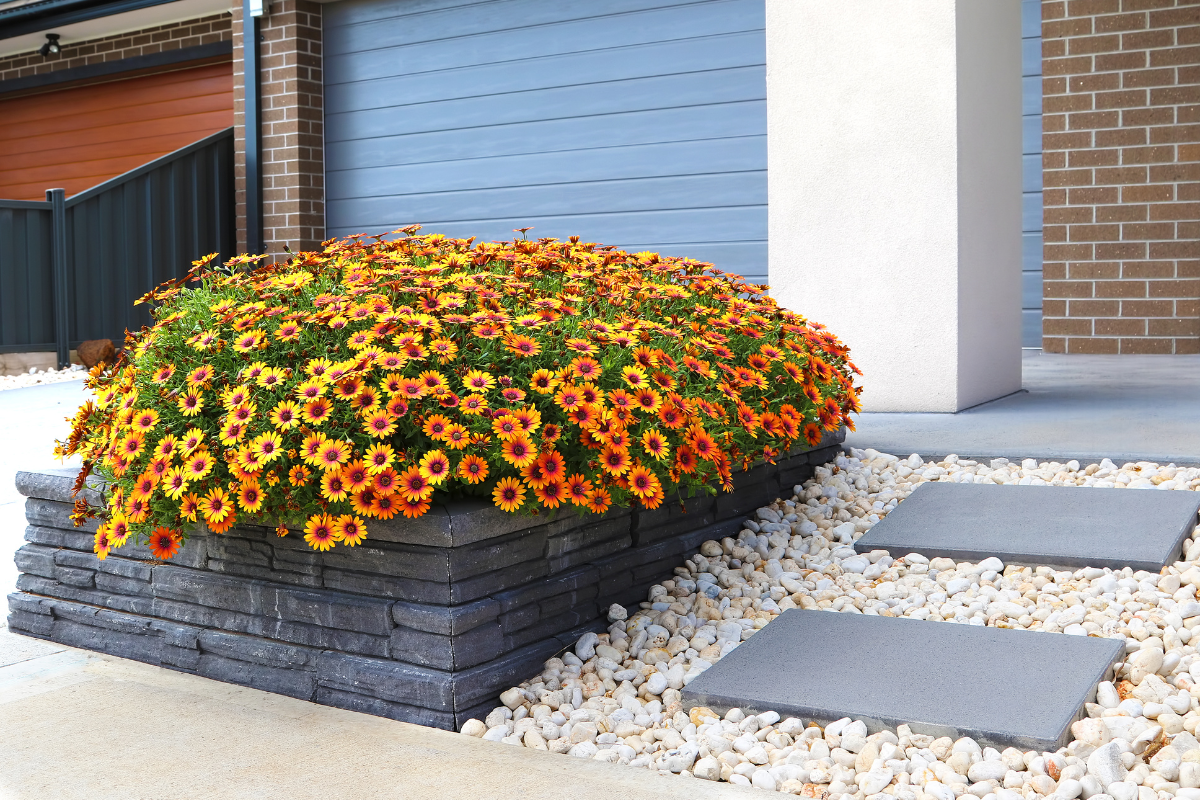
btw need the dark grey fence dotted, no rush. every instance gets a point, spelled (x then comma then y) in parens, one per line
(71, 268)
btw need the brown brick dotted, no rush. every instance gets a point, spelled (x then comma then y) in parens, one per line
(1093, 346)
(1125, 98)
(1094, 195)
(1148, 78)
(1067, 252)
(1120, 327)
(1054, 48)
(1120, 251)
(1147, 40)
(1074, 140)
(1054, 271)
(1065, 103)
(1175, 56)
(1120, 175)
(1120, 288)
(1079, 309)
(1063, 215)
(1175, 17)
(1095, 82)
(1075, 26)
(1066, 289)
(1066, 327)
(1175, 211)
(1072, 65)
(1154, 193)
(1054, 308)
(1093, 120)
(1118, 23)
(1173, 327)
(1067, 177)
(1122, 213)
(1161, 154)
(1092, 158)
(1054, 344)
(1175, 288)
(1188, 347)
(1148, 269)
(1189, 152)
(1094, 233)
(1054, 234)
(1147, 308)
(1134, 117)
(1174, 95)
(1088, 8)
(1110, 62)
(1147, 346)
(1187, 269)
(1147, 231)
(1054, 159)
(1170, 250)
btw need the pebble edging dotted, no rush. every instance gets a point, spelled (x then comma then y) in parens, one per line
(616, 697)
(38, 377)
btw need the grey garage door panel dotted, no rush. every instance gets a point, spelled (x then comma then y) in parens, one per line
(546, 169)
(1031, 211)
(1031, 289)
(1031, 172)
(1031, 327)
(668, 125)
(669, 91)
(368, 24)
(671, 226)
(573, 199)
(1031, 95)
(508, 46)
(570, 71)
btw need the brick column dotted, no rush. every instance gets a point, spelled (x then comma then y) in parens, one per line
(293, 164)
(1121, 126)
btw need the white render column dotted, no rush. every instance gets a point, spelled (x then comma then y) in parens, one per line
(894, 189)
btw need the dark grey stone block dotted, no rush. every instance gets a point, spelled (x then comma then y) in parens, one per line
(115, 584)
(1000, 686)
(209, 589)
(257, 650)
(1065, 526)
(402, 712)
(485, 682)
(476, 646)
(185, 636)
(533, 592)
(446, 620)
(35, 624)
(484, 557)
(673, 517)
(482, 585)
(35, 560)
(57, 537)
(752, 490)
(411, 589)
(181, 658)
(83, 578)
(55, 484)
(329, 609)
(51, 514)
(289, 681)
(393, 681)
(137, 646)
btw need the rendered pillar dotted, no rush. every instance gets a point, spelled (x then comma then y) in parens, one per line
(894, 181)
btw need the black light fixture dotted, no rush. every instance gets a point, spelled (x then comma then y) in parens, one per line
(51, 47)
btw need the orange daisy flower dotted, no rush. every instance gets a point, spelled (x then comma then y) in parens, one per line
(332, 454)
(334, 486)
(473, 469)
(320, 531)
(317, 411)
(578, 489)
(643, 482)
(615, 460)
(518, 450)
(655, 444)
(385, 506)
(412, 508)
(189, 506)
(164, 543)
(551, 493)
(386, 482)
(599, 501)
(350, 530)
(144, 421)
(435, 466)
(191, 403)
(250, 497)
(216, 506)
(413, 485)
(379, 457)
(509, 494)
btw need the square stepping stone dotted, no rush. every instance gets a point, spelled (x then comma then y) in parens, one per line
(1000, 686)
(1059, 526)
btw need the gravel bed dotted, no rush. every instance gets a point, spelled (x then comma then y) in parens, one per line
(37, 377)
(616, 698)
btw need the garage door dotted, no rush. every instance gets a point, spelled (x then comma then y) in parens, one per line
(640, 123)
(78, 137)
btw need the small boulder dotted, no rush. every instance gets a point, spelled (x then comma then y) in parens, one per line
(96, 351)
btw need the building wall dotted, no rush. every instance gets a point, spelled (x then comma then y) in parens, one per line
(1121, 147)
(206, 30)
(293, 166)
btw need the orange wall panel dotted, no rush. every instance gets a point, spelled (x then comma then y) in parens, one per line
(75, 138)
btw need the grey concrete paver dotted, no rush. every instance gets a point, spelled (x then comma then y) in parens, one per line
(1058, 526)
(1003, 687)
(1127, 408)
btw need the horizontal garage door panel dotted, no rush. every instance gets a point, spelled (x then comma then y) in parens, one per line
(560, 72)
(368, 24)
(612, 131)
(599, 197)
(549, 169)
(640, 123)
(660, 91)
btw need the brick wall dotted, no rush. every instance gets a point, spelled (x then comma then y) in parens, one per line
(1121, 127)
(205, 30)
(293, 164)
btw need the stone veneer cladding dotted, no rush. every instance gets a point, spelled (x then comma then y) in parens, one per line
(425, 622)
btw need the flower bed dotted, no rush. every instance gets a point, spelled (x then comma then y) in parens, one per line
(379, 379)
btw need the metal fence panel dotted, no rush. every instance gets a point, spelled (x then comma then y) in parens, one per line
(26, 277)
(132, 233)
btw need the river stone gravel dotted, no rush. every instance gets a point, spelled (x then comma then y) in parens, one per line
(616, 697)
(37, 377)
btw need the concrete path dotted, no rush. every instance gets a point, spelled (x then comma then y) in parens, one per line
(1127, 408)
(81, 725)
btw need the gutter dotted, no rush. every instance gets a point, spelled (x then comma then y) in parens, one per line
(37, 16)
(251, 11)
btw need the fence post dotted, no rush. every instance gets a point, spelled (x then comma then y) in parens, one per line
(58, 250)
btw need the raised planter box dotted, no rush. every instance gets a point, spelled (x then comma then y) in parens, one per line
(427, 621)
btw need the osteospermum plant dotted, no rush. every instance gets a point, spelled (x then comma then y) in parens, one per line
(374, 378)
